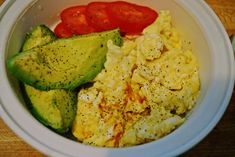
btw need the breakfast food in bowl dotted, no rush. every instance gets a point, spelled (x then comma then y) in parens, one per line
(144, 82)
(148, 84)
(143, 93)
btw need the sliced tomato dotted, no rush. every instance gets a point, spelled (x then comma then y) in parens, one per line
(62, 31)
(131, 18)
(98, 17)
(75, 19)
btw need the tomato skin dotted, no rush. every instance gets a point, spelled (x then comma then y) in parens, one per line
(75, 19)
(62, 31)
(98, 17)
(131, 18)
(101, 16)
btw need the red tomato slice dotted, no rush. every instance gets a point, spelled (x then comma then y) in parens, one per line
(131, 18)
(62, 31)
(75, 19)
(98, 17)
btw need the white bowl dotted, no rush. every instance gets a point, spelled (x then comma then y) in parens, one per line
(196, 22)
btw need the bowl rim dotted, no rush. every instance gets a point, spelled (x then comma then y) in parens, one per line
(45, 147)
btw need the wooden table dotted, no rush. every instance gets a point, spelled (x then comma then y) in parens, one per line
(219, 143)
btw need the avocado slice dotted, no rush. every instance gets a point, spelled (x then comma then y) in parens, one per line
(55, 108)
(64, 63)
(38, 36)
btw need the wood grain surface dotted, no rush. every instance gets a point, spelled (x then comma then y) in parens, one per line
(219, 143)
(225, 9)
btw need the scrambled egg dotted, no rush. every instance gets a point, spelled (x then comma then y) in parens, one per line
(144, 91)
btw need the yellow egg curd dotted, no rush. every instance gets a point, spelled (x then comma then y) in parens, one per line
(144, 91)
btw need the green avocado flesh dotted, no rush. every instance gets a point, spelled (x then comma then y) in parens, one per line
(64, 63)
(40, 35)
(54, 108)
